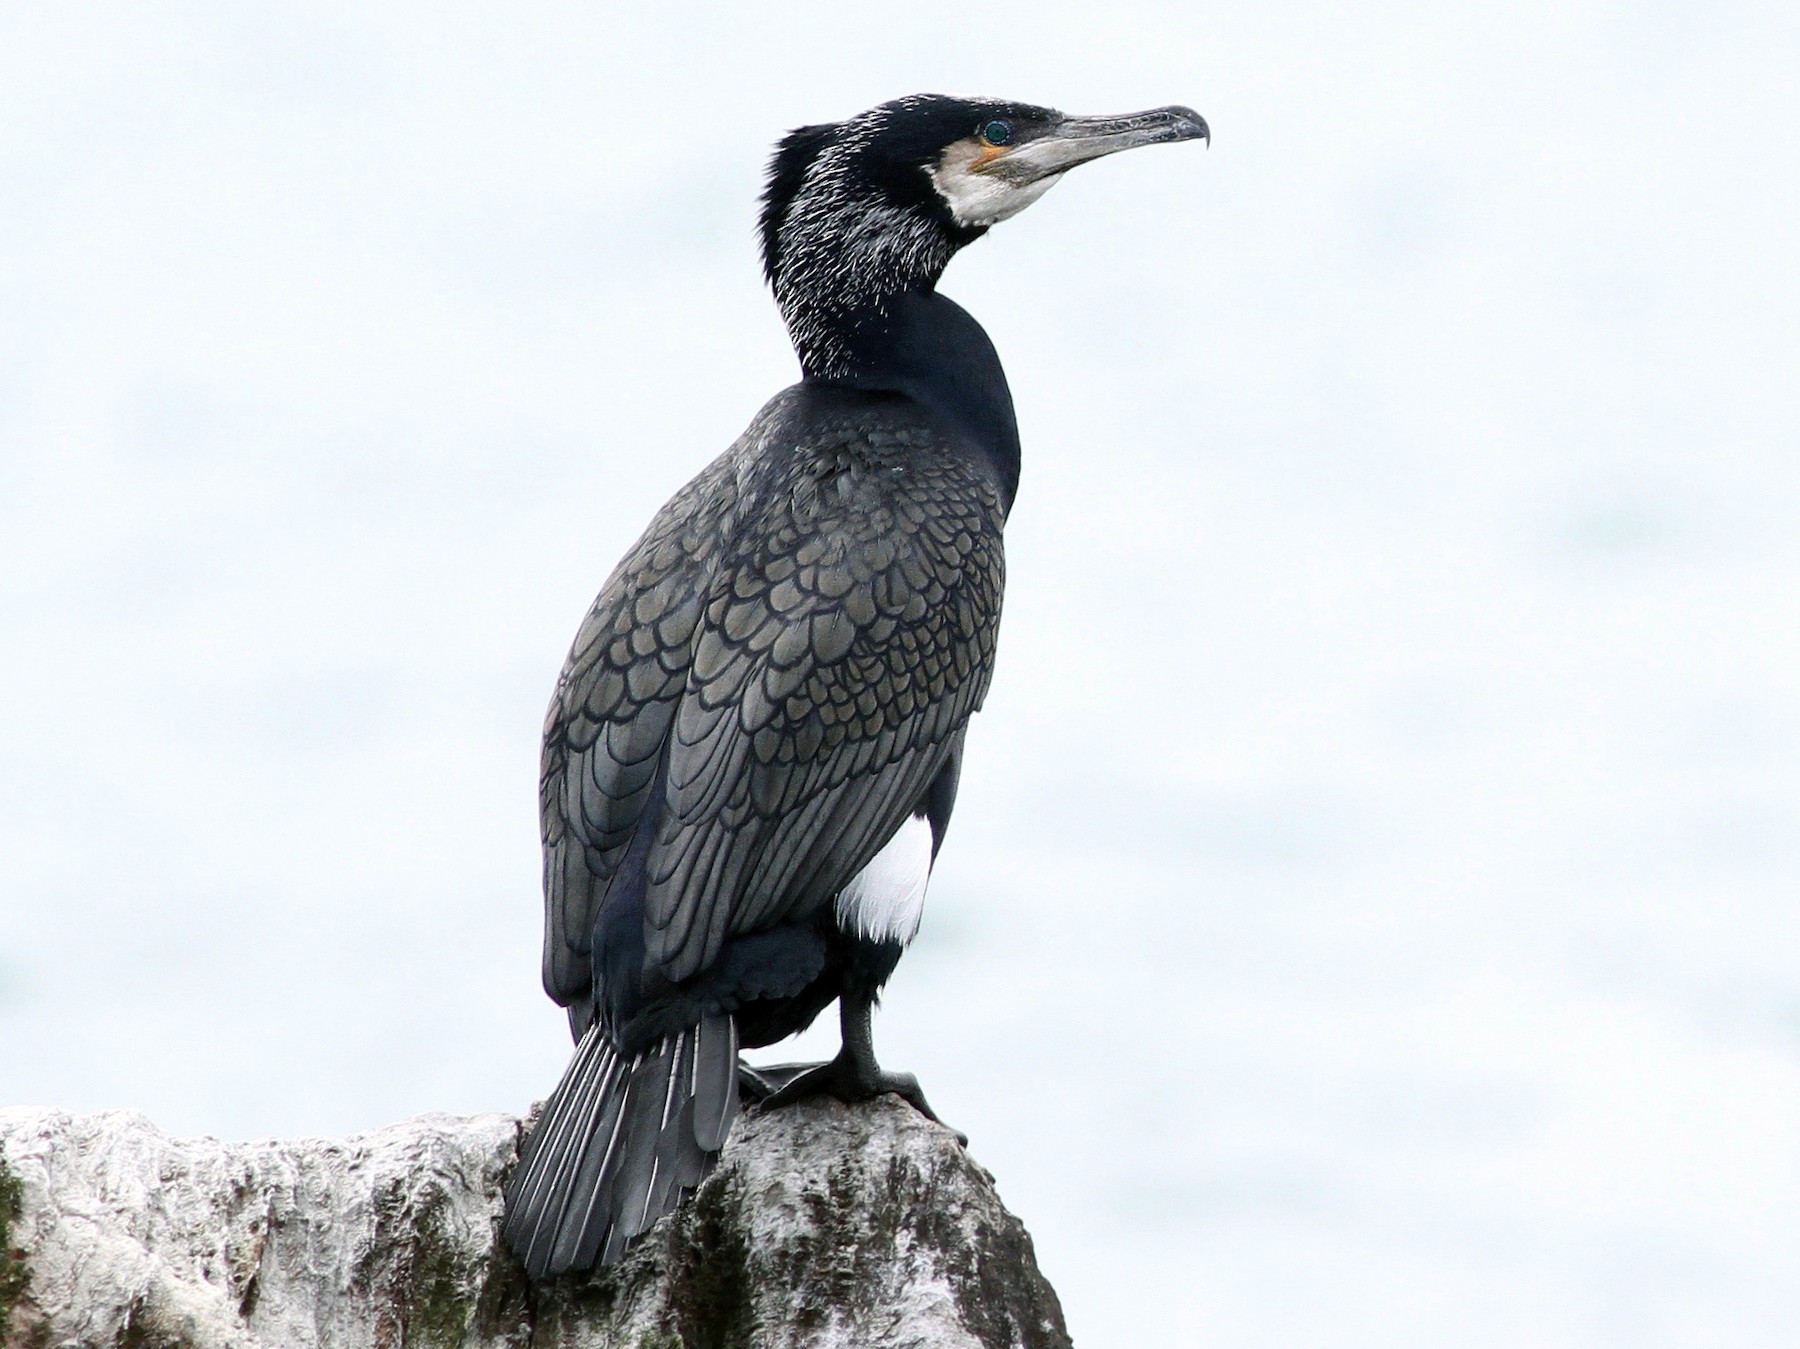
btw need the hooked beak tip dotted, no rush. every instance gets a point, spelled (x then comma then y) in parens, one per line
(1189, 125)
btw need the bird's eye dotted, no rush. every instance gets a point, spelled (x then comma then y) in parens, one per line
(997, 132)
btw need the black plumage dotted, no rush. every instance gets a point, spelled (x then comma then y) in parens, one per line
(752, 752)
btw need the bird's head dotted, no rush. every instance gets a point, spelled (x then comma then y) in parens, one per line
(859, 210)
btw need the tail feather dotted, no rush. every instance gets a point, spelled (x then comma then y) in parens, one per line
(674, 1141)
(583, 1218)
(539, 1189)
(715, 1081)
(676, 1168)
(631, 1170)
(620, 1143)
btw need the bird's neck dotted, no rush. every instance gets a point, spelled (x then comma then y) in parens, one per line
(929, 348)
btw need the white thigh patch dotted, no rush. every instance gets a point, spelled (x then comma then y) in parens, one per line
(884, 900)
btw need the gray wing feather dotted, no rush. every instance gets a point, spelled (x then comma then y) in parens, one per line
(800, 657)
(612, 711)
(819, 707)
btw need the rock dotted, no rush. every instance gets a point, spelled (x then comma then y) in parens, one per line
(825, 1225)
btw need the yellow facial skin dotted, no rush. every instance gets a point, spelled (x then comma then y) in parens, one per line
(970, 155)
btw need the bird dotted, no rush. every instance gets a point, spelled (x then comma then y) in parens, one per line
(752, 753)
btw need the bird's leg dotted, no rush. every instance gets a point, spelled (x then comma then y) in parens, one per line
(853, 1075)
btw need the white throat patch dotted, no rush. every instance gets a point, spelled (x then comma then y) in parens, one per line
(884, 901)
(978, 199)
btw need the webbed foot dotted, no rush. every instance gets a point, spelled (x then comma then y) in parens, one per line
(846, 1080)
(757, 1084)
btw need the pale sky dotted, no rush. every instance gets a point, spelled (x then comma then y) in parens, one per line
(1370, 917)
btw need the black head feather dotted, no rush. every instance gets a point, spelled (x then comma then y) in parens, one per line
(787, 169)
(884, 155)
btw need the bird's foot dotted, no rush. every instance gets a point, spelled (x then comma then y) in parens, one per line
(757, 1085)
(845, 1080)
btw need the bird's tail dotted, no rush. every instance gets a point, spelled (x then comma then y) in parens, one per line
(620, 1141)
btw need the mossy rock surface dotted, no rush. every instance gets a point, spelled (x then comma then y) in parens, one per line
(15, 1277)
(826, 1225)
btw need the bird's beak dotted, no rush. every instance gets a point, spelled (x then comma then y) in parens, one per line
(1075, 140)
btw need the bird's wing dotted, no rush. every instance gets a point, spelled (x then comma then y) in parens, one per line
(612, 711)
(846, 639)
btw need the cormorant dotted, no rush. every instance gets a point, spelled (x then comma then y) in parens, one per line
(752, 752)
